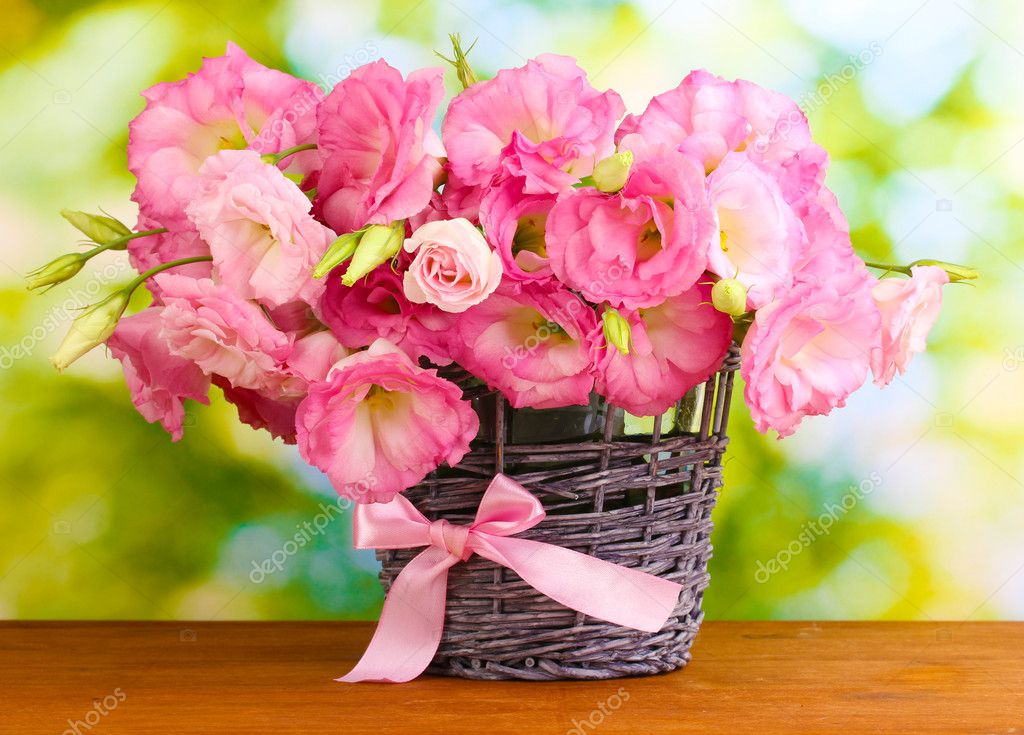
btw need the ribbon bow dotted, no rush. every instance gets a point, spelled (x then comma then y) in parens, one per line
(411, 622)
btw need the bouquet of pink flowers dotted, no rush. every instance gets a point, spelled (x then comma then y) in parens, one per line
(317, 255)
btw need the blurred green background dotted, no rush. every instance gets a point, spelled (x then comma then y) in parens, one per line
(906, 504)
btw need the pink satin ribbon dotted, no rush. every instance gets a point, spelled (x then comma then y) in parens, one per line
(411, 622)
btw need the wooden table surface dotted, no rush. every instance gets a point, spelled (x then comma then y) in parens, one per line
(756, 677)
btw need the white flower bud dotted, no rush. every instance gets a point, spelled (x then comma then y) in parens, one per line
(91, 329)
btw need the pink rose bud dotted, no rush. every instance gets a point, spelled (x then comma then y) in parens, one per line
(454, 268)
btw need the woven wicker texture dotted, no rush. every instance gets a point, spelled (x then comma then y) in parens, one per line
(640, 501)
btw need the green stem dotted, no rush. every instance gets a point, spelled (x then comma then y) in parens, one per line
(118, 243)
(146, 233)
(889, 267)
(281, 155)
(957, 273)
(146, 275)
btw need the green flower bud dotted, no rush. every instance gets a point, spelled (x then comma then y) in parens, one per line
(729, 296)
(379, 244)
(97, 227)
(56, 271)
(467, 77)
(92, 328)
(616, 330)
(610, 173)
(339, 251)
(954, 271)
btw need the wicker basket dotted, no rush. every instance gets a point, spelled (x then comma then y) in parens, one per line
(639, 501)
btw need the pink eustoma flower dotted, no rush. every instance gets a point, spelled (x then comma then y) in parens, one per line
(275, 415)
(702, 117)
(909, 308)
(376, 307)
(222, 333)
(460, 199)
(379, 424)
(310, 361)
(808, 351)
(542, 122)
(760, 236)
(158, 380)
(639, 246)
(231, 102)
(313, 355)
(673, 346)
(531, 342)
(514, 224)
(296, 317)
(263, 239)
(828, 249)
(707, 116)
(379, 152)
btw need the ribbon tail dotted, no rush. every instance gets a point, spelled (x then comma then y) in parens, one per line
(598, 588)
(409, 630)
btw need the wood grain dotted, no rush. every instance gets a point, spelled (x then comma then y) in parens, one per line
(756, 677)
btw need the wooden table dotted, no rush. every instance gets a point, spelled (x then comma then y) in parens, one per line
(765, 677)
